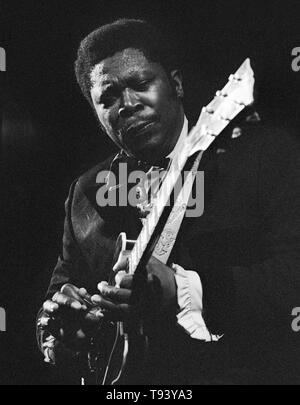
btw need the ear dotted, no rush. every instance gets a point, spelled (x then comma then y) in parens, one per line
(176, 78)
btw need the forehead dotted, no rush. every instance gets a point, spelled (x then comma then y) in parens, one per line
(121, 65)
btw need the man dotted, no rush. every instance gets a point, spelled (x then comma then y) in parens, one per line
(219, 311)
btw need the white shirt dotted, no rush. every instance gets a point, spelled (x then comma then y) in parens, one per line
(189, 286)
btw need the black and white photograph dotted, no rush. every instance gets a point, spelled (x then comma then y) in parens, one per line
(150, 195)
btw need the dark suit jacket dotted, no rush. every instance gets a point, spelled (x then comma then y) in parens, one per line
(245, 247)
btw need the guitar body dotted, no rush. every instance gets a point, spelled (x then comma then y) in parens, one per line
(126, 344)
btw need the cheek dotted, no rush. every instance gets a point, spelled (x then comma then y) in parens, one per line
(162, 99)
(104, 118)
(107, 121)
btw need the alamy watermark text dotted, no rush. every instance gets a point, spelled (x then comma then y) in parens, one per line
(2, 60)
(2, 320)
(296, 59)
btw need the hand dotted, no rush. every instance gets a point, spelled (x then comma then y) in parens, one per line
(158, 293)
(114, 301)
(69, 318)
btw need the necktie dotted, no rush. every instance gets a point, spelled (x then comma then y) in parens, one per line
(147, 191)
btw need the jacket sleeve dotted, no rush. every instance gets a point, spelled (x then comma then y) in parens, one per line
(70, 268)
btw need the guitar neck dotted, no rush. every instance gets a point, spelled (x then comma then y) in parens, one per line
(163, 199)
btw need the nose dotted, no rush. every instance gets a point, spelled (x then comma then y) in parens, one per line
(130, 103)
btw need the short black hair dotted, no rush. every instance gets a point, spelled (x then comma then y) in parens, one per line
(108, 39)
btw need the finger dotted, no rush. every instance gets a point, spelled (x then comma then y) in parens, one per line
(82, 292)
(95, 299)
(109, 310)
(95, 315)
(121, 312)
(103, 303)
(71, 291)
(43, 321)
(49, 306)
(85, 296)
(119, 276)
(126, 281)
(64, 300)
(102, 283)
(48, 344)
(114, 293)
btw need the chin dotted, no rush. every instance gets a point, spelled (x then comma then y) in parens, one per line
(150, 150)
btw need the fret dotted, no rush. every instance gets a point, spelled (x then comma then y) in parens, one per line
(151, 221)
(144, 238)
(129, 264)
(135, 262)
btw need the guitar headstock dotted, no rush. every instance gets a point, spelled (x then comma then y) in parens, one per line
(227, 103)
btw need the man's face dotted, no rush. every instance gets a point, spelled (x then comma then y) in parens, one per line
(138, 104)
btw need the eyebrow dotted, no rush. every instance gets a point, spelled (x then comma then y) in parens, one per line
(132, 76)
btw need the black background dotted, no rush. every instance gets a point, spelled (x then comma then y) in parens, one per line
(49, 134)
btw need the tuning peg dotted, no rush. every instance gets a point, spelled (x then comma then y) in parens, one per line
(219, 93)
(210, 133)
(207, 111)
(224, 118)
(234, 77)
(239, 103)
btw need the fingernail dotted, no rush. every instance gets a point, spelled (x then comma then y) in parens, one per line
(95, 299)
(101, 288)
(99, 314)
(76, 305)
(44, 321)
(101, 284)
(48, 344)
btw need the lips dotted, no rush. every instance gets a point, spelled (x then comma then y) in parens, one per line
(136, 129)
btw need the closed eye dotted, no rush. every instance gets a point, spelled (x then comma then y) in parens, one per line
(143, 85)
(107, 101)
